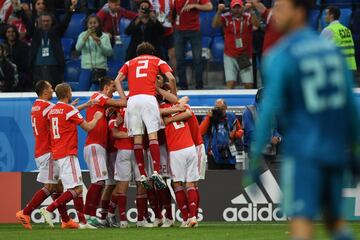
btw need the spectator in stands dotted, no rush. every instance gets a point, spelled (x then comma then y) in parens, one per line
(18, 53)
(82, 6)
(340, 35)
(187, 29)
(272, 35)
(145, 28)
(95, 47)
(110, 15)
(163, 10)
(8, 72)
(238, 26)
(8, 16)
(221, 129)
(46, 53)
(249, 118)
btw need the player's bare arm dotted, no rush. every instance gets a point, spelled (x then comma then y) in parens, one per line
(120, 77)
(116, 102)
(172, 110)
(89, 103)
(172, 82)
(167, 95)
(180, 117)
(184, 100)
(88, 126)
(119, 134)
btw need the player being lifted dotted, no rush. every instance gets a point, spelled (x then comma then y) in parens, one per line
(142, 107)
(309, 90)
(64, 119)
(95, 147)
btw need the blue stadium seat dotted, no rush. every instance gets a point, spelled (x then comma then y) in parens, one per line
(123, 24)
(76, 26)
(67, 45)
(340, 3)
(113, 69)
(72, 72)
(119, 51)
(314, 19)
(217, 49)
(205, 25)
(345, 17)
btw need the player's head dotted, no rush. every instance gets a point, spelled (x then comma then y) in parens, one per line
(44, 90)
(114, 5)
(236, 7)
(332, 13)
(107, 86)
(145, 48)
(63, 92)
(291, 14)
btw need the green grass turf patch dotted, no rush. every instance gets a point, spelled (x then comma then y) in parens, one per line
(206, 231)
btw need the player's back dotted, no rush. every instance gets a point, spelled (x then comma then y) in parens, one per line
(316, 97)
(40, 124)
(64, 137)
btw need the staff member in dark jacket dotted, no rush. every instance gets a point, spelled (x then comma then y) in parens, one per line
(144, 28)
(46, 54)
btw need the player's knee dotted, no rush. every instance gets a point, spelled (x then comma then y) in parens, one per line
(50, 187)
(78, 190)
(101, 183)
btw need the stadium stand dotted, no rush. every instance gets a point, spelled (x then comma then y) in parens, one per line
(68, 46)
(76, 26)
(72, 73)
(124, 23)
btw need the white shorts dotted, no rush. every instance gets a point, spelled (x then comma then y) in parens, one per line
(110, 164)
(202, 160)
(68, 171)
(164, 162)
(46, 169)
(232, 69)
(95, 157)
(184, 165)
(126, 168)
(142, 111)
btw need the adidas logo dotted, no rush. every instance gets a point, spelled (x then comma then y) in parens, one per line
(259, 202)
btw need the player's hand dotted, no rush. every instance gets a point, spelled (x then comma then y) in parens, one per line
(221, 7)
(184, 100)
(180, 107)
(166, 120)
(98, 115)
(210, 113)
(119, 120)
(75, 102)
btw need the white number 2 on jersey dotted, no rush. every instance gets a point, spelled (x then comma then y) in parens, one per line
(33, 124)
(55, 127)
(142, 65)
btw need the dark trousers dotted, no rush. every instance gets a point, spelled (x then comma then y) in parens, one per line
(52, 74)
(212, 165)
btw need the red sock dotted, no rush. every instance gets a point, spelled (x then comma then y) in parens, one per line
(113, 203)
(62, 208)
(141, 204)
(79, 206)
(165, 200)
(139, 156)
(155, 154)
(182, 202)
(104, 208)
(93, 197)
(63, 199)
(122, 206)
(37, 199)
(192, 201)
(154, 203)
(198, 201)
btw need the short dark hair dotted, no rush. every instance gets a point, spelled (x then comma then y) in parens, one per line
(62, 90)
(145, 48)
(335, 11)
(105, 81)
(307, 5)
(144, 1)
(41, 86)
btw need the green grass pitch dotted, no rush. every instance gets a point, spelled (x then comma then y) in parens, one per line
(206, 231)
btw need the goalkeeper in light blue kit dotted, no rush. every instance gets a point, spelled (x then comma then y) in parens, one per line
(309, 89)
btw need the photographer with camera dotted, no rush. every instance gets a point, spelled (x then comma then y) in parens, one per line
(238, 25)
(220, 129)
(145, 28)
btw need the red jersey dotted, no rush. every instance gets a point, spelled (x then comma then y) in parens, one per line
(99, 134)
(40, 125)
(178, 134)
(187, 21)
(142, 71)
(195, 130)
(272, 35)
(122, 143)
(64, 137)
(237, 28)
(111, 140)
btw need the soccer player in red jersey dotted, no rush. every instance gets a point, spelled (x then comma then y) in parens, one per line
(183, 163)
(64, 119)
(125, 170)
(95, 154)
(40, 124)
(142, 108)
